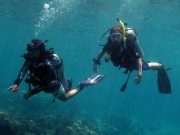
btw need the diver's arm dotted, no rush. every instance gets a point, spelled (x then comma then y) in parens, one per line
(132, 36)
(30, 93)
(139, 75)
(22, 73)
(97, 60)
(100, 55)
(20, 77)
(139, 56)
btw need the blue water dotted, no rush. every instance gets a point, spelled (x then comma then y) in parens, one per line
(73, 28)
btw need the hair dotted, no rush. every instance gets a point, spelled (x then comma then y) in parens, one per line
(40, 44)
(116, 28)
(36, 44)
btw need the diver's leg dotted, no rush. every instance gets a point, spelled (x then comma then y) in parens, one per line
(155, 65)
(72, 92)
(90, 81)
(62, 78)
(63, 96)
(67, 83)
(151, 66)
(32, 92)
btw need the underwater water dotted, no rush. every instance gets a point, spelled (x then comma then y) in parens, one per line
(73, 28)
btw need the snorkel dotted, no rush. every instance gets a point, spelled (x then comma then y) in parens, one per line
(123, 30)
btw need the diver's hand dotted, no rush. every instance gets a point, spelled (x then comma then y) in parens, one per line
(138, 78)
(13, 88)
(27, 95)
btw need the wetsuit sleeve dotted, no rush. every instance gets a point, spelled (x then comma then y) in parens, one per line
(102, 52)
(22, 73)
(105, 48)
(138, 49)
(134, 43)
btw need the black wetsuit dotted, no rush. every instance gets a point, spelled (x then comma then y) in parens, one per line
(125, 55)
(46, 74)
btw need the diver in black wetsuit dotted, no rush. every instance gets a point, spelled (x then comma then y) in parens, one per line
(124, 51)
(44, 71)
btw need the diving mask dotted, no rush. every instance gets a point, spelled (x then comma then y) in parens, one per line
(116, 37)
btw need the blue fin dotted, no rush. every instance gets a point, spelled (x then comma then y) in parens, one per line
(93, 80)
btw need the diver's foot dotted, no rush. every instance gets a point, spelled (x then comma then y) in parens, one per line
(165, 68)
(81, 86)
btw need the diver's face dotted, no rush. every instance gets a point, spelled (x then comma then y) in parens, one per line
(116, 37)
(35, 54)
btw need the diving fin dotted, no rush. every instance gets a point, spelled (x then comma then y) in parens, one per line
(92, 80)
(164, 84)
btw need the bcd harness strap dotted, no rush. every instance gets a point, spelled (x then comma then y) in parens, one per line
(123, 88)
(29, 75)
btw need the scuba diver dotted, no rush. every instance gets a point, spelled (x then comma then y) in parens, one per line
(44, 71)
(124, 51)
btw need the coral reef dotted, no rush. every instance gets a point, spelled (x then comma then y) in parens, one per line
(79, 127)
(53, 124)
(126, 125)
(14, 124)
